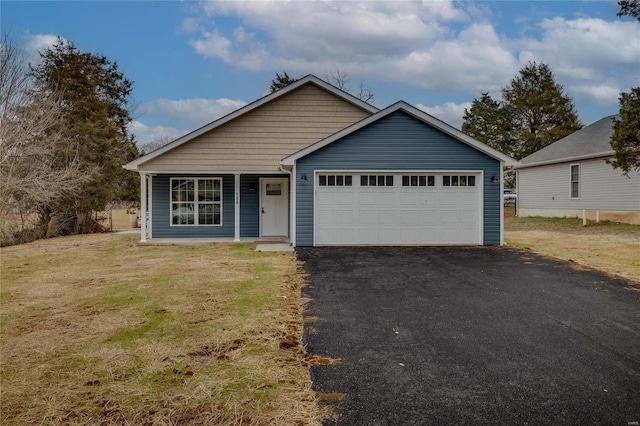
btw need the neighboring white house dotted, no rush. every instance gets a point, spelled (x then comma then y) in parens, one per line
(572, 175)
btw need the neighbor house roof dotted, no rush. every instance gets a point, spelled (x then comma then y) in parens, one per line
(309, 79)
(592, 141)
(413, 111)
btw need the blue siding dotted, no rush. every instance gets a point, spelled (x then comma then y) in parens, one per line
(161, 225)
(249, 206)
(397, 142)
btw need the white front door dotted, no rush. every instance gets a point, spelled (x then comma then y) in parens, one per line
(274, 207)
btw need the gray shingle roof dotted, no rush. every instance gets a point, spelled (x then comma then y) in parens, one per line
(586, 142)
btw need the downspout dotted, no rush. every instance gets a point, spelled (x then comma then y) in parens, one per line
(143, 207)
(502, 203)
(292, 203)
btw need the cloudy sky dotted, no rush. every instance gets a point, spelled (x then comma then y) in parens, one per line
(192, 62)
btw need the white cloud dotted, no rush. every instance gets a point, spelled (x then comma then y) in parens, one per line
(146, 133)
(197, 112)
(602, 94)
(450, 112)
(434, 45)
(587, 50)
(37, 43)
(314, 37)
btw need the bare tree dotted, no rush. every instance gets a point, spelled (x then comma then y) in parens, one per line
(365, 94)
(340, 79)
(154, 144)
(30, 124)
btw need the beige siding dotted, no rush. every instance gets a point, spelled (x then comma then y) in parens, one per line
(259, 139)
(601, 187)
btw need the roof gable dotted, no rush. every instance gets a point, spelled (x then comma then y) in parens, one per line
(416, 113)
(589, 142)
(310, 79)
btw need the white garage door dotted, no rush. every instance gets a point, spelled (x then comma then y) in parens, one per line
(394, 208)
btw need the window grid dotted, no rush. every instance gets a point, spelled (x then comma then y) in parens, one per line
(376, 180)
(458, 180)
(575, 181)
(418, 180)
(201, 195)
(335, 180)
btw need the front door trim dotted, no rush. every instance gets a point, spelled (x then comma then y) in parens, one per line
(274, 226)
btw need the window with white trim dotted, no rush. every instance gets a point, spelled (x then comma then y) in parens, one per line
(196, 201)
(575, 181)
(376, 180)
(458, 180)
(335, 180)
(418, 180)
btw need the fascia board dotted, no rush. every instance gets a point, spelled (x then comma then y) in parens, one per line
(566, 159)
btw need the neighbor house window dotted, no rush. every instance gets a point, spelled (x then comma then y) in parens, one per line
(196, 201)
(575, 181)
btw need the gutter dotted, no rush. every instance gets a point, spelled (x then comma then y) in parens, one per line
(565, 160)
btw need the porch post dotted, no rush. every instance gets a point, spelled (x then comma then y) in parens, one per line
(237, 208)
(502, 203)
(143, 207)
(150, 206)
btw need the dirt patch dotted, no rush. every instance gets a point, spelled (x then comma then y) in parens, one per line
(220, 352)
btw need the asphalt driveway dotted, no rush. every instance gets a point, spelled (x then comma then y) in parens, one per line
(434, 336)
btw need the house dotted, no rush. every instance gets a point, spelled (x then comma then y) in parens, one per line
(572, 175)
(313, 165)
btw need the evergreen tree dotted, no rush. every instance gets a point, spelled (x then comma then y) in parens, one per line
(625, 139)
(629, 8)
(534, 112)
(538, 110)
(94, 105)
(485, 121)
(281, 80)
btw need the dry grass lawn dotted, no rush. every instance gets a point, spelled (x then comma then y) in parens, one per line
(610, 247)
(100, 330)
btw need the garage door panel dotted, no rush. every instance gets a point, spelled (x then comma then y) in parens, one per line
(429, 217)
(367, 199)
(449, 216)
(344, 198)
(468, 216)
(410, 217)
(344, 217)
(367, 235)
(339, 235)
(386, 199)
(385, 215)
(449, 235)
(326, 217)
(449, 197)
(408, 199)
(468, 235)
(367, 216)
(387, 235)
